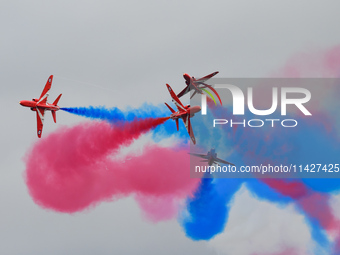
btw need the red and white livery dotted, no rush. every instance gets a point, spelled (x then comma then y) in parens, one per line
(184, 112)
(40, 106)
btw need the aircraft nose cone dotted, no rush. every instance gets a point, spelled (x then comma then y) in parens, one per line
(187, 78)
(20, 102)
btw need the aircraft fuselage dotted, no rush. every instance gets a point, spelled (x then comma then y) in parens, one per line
(191, 82)
(189, 111)
(34, 104)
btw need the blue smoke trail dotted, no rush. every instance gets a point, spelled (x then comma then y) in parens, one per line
(114, 114)
(208, 211)
(264, 192)
(98, 112)
(318, 233)
(250, 146)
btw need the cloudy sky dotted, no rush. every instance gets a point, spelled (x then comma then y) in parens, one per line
(122, 53)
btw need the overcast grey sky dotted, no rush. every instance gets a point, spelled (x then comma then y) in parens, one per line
(121, 53)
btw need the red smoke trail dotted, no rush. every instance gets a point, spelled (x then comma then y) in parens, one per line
(316, 205)
(324, 64)
(293, 189)
(72, 169)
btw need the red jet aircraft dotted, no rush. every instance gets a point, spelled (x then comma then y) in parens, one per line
(211, 158)
(184, 112)
(197, 85)
(40, 106)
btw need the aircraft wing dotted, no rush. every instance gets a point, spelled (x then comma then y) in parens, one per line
(187, 123)
(223, 162)
(207, 77)
(44, 94)
(175, 99)
(184, 91)
(199, 155)
(40, 120)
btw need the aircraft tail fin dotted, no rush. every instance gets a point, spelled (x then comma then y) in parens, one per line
(172, 110)
(54, 116)
(57, 100)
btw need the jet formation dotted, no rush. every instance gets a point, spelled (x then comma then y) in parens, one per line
(40, 105)
(187, 112)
